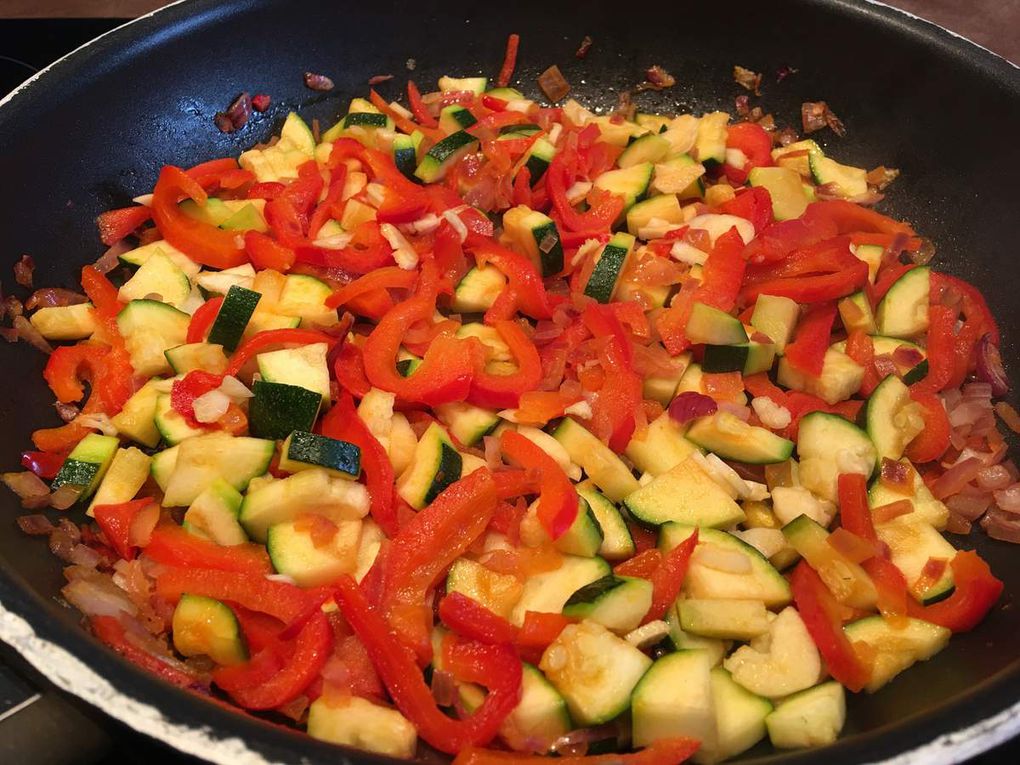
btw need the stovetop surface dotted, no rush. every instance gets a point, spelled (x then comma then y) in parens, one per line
(38, 724)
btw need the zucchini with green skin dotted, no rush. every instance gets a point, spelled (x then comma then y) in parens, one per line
(468, 423)
(497, 592)
(829, 445)
(149, 328)
(617, 541)
(714, 327)
(549, 591)
(685, 494)
(436, 464)
(811, 718)
(631, 183)
(201, 460)
(610, 264)
(603, 467)
(739, 718)
(126, 475)
(277, 410)
(233, 317)
(444, 155)
(296, 552)
(137, 420)
(87, 464)
(897, 648)
(903, 311)
(303, 451)
(357, 722)
(674, 698)
(206, 357)
(777, 317)
(158, 275)
(536, 236)
(618, 603)
(478, 289)
(206, 627)
(214, 514)
(728, 436)
(65, 322)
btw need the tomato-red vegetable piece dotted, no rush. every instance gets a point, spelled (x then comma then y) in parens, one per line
(557, 503)
(116, 519)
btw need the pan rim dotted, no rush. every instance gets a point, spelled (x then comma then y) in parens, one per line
(218, 745)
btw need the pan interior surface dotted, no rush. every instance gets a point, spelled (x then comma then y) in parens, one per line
(92, 133)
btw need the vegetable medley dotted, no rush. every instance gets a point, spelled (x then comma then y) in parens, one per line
(513, 429)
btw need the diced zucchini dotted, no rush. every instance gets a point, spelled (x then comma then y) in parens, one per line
(128, 471)
(65, 322)
(163, 464)
(594, 670)
(206, 627)
(303, 367)
(847, 581)
(776, 316)
(87, 464)
(583, 537)
(618, 603)
(171, 424)
(478, 290)
(845, 180)
(897, 646)
(617, 542)
(359, 723)
(149, 328)
(610, 263)
(710, 145)
(712, 326)
(206, 357)
(307, 492)
(779, 663)
(747, 358)
(233, 317)
(926, 507)
(662, 207)
(684, 494)
(602, 466)
(282, 160)
(214, 514)
(840, 378)
(731, 438)
(139, 255)
(725, 619)
(220, 282)
(277, 409)
(535, 235)
(436, 464)
(497, 592)
(674, 698)
(549, 591)
(631, 183)
(829, 445)
(647, 148)
(796, 156)
(203, 459)
(785, 189)
(304, 451)
(305, 296)
(158, 275)
(661, 447)
(891, 418)
(912, 542)
(468, 423)
(903, 311)
(137, 420)
(445, 155)
(297, 551)
(739, 718)
(872, 255)
(476, 85)
(811, 718)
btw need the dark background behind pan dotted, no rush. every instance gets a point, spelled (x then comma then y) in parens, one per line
(95, 130)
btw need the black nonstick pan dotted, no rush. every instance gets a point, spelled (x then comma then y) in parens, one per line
(93, 130)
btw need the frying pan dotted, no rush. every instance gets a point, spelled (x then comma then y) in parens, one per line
(93, 130)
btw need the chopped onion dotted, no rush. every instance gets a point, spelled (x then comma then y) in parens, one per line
(924, 254)
(319, 82)
(23, 271)
(36, 525)
(722, 559)
(690, 405)
(957, 525)
(989, 366)
(1009, 499)
(29, 488)
(896, 476)
(1002, 526)
(747, 79)
(236, 116)
(444, 688)
(97, 595)
(956, 478)
(64, 497)
(553, 84)
(994, 477)
(969, 506)
(657, 78)
(98, 421)
(884, 365)
(30, 334)
(1008, 415)
(209, 407)
(458, 225)
(83, 555)
(886, 513)
(142, 526)
(53, 297)
(882, 176)
(772, 415)
(907, 356)
(236, 389)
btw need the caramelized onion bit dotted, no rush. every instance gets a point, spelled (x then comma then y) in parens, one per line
(885, 513)
(319, 82)
(30, 489)
(958, 476)
(852, 547)
(553, 84)
(36, 525)
(815, 115)
(882, 176)
(747, 79)
(897, 476)
(657, 78)
(260, 102)
(53, 297)
(989, 366)
(1002, 526)
(1008, 415)
(23, 270)
(584, 47)
(785, 71)
(236, 116)
(379, 78)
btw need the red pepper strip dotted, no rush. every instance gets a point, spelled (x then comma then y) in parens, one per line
(823, 257)
(780, 239)
(974, 305)
(503, 391)
(404, 681)
(332, 206)
(259, 342)
(861, 349)
(515, 483)
(756, 145)
(425, 547)
(447, 369)
(64, 437)
(202, 242)
(976, 591)
(203, 318)
(380, 166)
(723, 272)
(851, 218)
(266, 252)
(312, 648)
(418, 108)
(61, 370)
(642, 565)
(115, 521)
(402, 122)
(557, 504)
(277, 599)
(349, 370)
(260, 668)
(603, 212)
(343, 423)
(886, 278)
(509, 61)
(663, 751)
(172, 545)
(668, 577)
(525, 284)
(807, 351)
(811, 289)
(821, 614)
(539, 630)
(105, 300)
(760, 385)
(43, 464)
(932, 442)
(940, 350)
(185, 390)
(286, 223)
(391, 277)
(208, 173)
(912, 244)
(114, 225)
(854, 512)
(473, 621)
(491, 102)
(754, 204)
(619, 396)
(111, 631)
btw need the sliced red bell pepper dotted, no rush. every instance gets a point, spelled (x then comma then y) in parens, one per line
(723, 272)
(404, 681)
(343, 423)
(557, 504)
(826, 256)
(753, 204)
(418, 108)
(265, 252)
(974, 305)
(605, 208)
(932, 442)
(447, 368)
(332, 205)
(473, 621)
(43, 464)
(115, 520)
(663, 751)
(854, 512)
(940, 350)
(500, 391)
(200, 241)
(821, 614)
(811, 289)
(172, 545)
(391, 277)
(615, 402)
(114, 225)
(643, 565)
(780, 239)
(887, 276)
(851, 218)
(111, 631)
(62, 368)
(668, 577)
(814, 331)
(509, 61)
(425, 547)
(203, 318)
(426, 126)
(62, 438)
(215, 171)
(975, 591)
(349, 370)
(280, 600)
(263, 340)
(105, 301)
(312, 648)
(861, 348)
(538, 631)
(185, 390)
(756, 145)
(525, 289)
